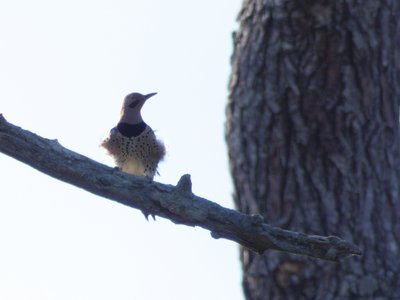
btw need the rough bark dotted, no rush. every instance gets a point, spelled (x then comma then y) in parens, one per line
(176, 203)
(313, 136)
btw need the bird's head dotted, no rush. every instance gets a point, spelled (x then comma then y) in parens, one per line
(133, 103)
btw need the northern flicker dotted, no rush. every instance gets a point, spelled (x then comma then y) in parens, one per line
(132, 143)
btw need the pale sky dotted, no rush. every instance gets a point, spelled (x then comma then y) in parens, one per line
(65, 67)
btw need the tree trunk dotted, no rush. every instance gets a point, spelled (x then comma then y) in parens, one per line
(313, 136)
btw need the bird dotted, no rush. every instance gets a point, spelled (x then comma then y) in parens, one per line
(132, 143)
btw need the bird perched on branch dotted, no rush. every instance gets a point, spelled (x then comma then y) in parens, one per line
(132, 143)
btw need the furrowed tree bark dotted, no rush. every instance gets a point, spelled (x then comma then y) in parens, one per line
(176, 203)
(313, 136)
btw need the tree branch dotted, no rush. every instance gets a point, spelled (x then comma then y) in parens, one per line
(176, 203)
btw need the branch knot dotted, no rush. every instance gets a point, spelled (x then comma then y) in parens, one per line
(185, 184)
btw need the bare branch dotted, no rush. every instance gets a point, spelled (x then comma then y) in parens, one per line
(176, 203)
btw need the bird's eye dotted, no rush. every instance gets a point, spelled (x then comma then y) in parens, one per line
(134, 104)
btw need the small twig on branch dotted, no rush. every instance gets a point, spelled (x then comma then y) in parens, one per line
(176, 203)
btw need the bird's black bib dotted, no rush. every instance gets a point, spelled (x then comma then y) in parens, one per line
(131, 130)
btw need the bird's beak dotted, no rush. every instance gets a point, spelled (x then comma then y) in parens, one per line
(149, 95)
